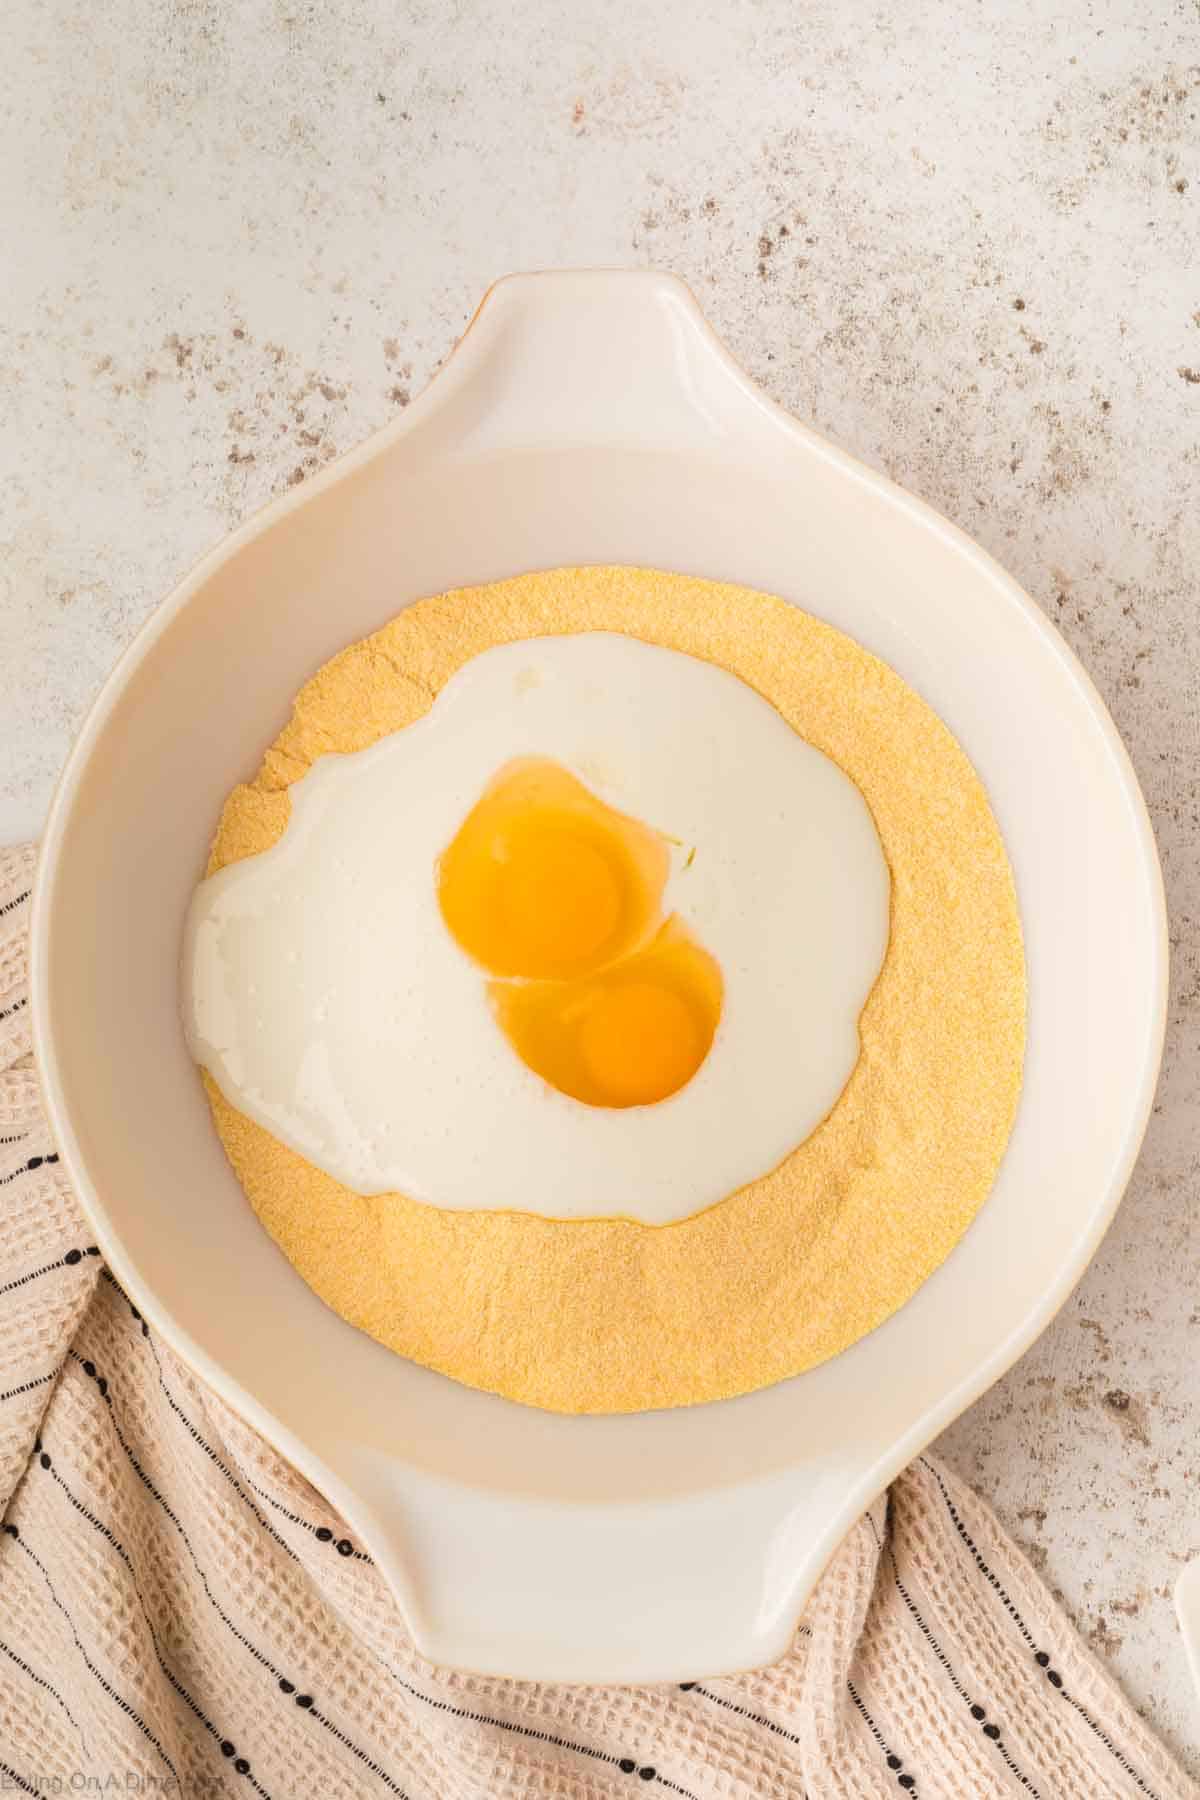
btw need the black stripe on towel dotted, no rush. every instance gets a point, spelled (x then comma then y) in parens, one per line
(241, 1764)
(628, 1765)
(35, 1677)
(35, 1162)
(117, 1699)
(1041, 1657)
(991, 1731)
(743, 1712)
(18, 1781)
(904, 1781)
(342, 1545)
(27, 1387)
(259, 1656)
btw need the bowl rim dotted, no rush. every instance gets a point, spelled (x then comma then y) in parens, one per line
(474, 345)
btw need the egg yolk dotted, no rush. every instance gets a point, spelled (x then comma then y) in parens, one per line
(560, 897)
(543, 881)
(629, 1035)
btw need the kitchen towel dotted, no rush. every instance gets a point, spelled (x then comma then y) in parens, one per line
(181, 1613)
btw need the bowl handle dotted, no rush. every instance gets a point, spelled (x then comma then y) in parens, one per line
(615, 356)
(709, 1585)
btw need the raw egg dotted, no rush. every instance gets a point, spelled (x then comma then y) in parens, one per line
(614, 1005)
(590, 939)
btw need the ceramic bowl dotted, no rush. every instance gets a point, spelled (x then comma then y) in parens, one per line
(586, 417)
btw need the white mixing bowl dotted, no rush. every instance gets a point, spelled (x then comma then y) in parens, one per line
(586, 417)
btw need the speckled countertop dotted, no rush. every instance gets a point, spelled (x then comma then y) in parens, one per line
(962, 239)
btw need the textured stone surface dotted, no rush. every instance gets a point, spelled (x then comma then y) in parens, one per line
(962, 239)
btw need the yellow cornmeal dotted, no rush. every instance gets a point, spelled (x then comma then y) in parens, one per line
(613, 1316)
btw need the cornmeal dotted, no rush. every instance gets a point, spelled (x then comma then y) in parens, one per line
(609, 1315)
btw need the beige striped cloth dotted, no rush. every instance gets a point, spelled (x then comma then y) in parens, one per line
(180, 1613)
